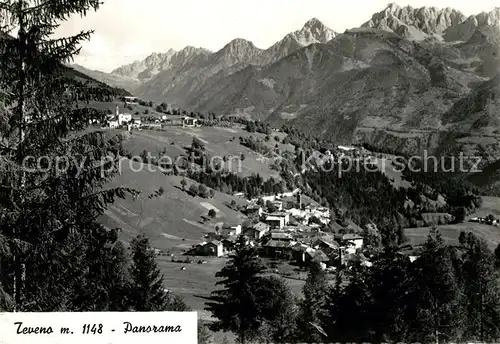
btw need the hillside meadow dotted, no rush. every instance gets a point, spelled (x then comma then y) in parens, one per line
(450, 232)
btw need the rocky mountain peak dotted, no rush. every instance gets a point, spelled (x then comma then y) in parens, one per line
(313, 23)
(392, 8)
(489, 18)
(239, 43)
(427, 20)
(238, 50)
(465, 30)
(314, 31)
(190, 50)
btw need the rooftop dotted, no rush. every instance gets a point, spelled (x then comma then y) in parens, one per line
(281, 236)
(318, 255)
(276, 243)
(274, 218)
(260, 227)
(348, 236)
(253, 206)
(328, 243)
(229, 225)
(279, 213)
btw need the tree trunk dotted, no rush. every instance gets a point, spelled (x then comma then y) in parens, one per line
(18, 267)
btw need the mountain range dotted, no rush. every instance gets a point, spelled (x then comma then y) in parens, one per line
(407, 79)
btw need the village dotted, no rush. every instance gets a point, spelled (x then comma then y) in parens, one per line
(287, 227)
(129, 121)
(282, 228)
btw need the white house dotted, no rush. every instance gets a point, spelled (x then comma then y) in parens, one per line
(124, 118)
(297, 212)
(113, 124)
(353, 242)
(268, 198)
(291, 193)
(278, 205)
(257, 231)
(322, 213)
(278, 219)
(300, 215)
(284, 215)
(275, 221)
(131, 100)
(230, 230)
(211, 248)
(190, 122)
(137, 121)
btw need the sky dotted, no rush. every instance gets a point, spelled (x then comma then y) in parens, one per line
(129, 30)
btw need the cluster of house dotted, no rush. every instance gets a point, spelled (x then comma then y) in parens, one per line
(130, 100)
(285, 234)
(297, 213)
(489, 220)
(291, 244)
(128, 121)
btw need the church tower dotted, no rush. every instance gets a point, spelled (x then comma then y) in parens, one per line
(299, 200)
(117, 110)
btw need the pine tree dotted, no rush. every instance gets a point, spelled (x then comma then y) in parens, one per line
(438, 313)
(146, 290)
(347, 317)
(278, 308)
(236, 306)
(482, 294)
(314, 292)
(497, 255)
(104, 287)
(48, 212)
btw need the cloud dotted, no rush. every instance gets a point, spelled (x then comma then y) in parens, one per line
(97, 46)
(104, 54)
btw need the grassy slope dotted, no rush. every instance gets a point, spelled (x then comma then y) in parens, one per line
(174, 216)
(171, 220)
(491, 205)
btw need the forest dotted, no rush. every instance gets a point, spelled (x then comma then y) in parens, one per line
(448, 294)
(55, 256)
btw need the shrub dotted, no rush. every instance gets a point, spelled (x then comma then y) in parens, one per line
(193, 189)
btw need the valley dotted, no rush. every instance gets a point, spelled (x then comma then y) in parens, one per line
(333, 186)
(406, 83)
(402, 80)
(177, 221)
